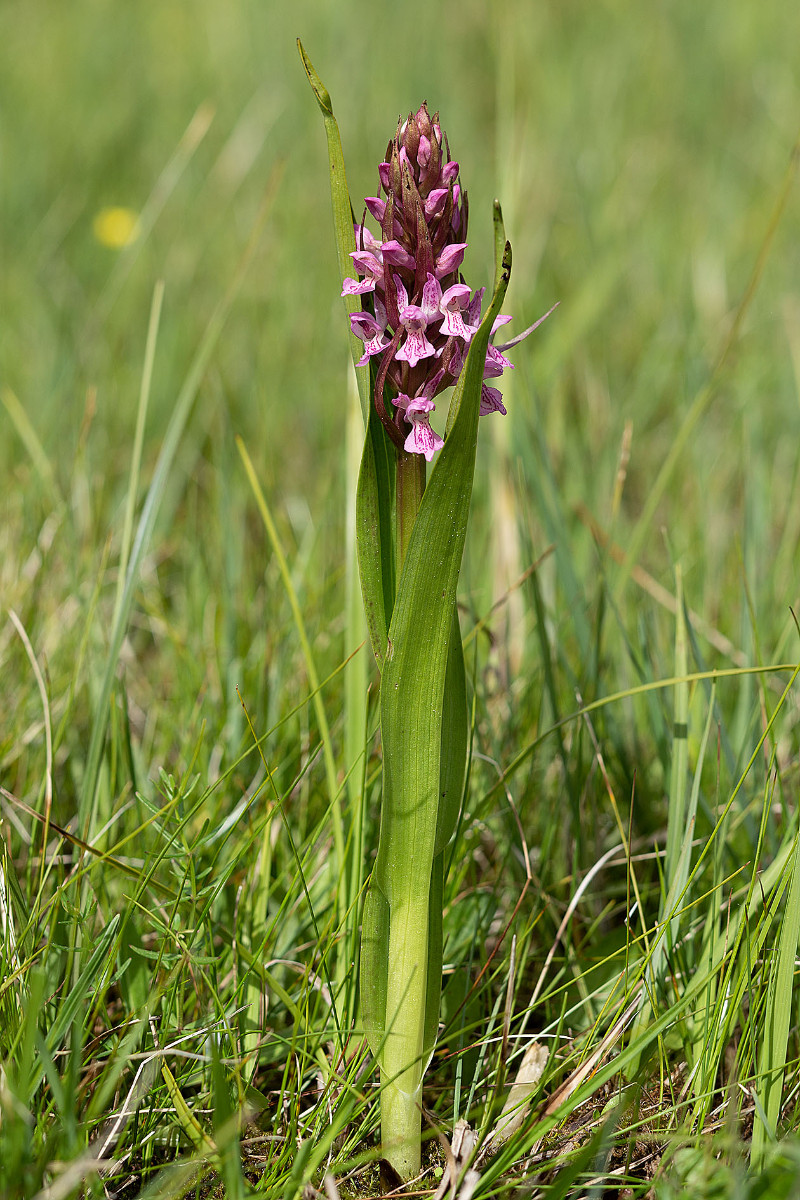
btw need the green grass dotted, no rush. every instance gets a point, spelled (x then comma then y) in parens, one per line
(181, 742)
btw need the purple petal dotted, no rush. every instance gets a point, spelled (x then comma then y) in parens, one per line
(364, 325)
(491, 401)
(432, 298)
(498, 321)
(365, 237)
(420, 404)
(451, 257)
(454, 326)
(456, 296)
(449, 171)
(367, 260)
(412, 317)
(457, 360)
(357, 287)
(434, 201)
(455, 222)
(376, 206)
(397, 254)
(453, 301)
(415, 347)
(402, 294)
(422, 439)
(474, 308)
(496, 363)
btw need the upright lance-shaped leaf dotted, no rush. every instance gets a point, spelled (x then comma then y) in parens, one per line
(343, 220)
(375, 483)
(374, 539)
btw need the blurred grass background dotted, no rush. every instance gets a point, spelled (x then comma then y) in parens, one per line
(638, 151)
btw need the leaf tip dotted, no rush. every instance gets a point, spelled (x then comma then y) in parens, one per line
(317, 86)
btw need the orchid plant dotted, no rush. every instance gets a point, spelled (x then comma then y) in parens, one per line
(418, 330)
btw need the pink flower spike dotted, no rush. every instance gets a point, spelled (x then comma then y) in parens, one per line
(371, 332)
(416, 345)
(491, 401)
(453, 301)
(450, 259)
(397, 254)
(422, 439)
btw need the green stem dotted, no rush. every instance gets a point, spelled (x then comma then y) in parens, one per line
(406, 1003)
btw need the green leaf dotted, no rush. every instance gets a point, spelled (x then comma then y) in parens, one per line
(778, 1019)
(374, 537)
(455, 734)
(80, 996)
(376, 477)
(343, 218)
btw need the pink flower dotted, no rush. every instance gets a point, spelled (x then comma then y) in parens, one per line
(451, 305)
(370, 266)
(422, 439)
(371, 332)
(414, 320)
